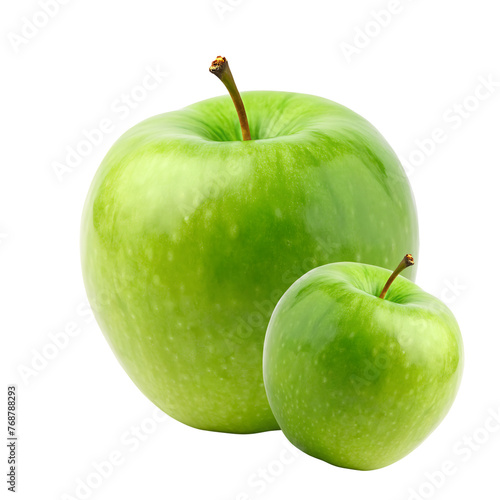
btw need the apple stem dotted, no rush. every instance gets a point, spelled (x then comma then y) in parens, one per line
(406, 262)
(220, 68)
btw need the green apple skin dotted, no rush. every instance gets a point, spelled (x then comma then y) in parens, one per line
(190, 236)
(355, 380)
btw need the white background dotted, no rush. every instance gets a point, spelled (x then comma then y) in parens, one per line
(410, 78)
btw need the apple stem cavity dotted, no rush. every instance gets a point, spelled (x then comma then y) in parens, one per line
(220, 68)
(406, 262)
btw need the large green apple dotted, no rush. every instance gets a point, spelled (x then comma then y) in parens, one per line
(190, 236)
(354, 379)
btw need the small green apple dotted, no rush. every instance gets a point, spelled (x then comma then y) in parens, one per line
(356, 379)
(190, 236)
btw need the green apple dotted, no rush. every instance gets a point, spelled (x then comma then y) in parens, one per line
(190, 236)
(356, 379)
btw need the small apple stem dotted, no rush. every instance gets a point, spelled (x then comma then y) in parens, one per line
(220, 68)
(406, 262)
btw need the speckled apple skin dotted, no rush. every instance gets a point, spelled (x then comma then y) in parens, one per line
(190, 236)
(356, 380)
